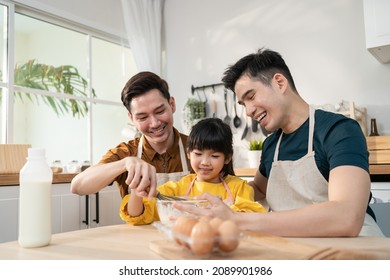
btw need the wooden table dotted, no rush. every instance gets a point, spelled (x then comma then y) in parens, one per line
(123, 242)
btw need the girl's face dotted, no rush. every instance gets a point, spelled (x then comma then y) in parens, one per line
(208, 164)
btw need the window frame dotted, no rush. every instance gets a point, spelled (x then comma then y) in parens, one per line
(7, 133)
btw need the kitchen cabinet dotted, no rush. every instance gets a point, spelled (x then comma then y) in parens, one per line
(65, 209)
(101, 209)
(377, 28)
(69, 210)
(9, 211)
(380, 204)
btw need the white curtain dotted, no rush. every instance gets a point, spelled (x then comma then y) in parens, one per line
(143, 22)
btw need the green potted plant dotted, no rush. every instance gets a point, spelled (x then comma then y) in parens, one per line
(194, 110)
(255, 145)
(254, 153)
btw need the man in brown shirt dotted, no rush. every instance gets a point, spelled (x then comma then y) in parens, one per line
(142, 163)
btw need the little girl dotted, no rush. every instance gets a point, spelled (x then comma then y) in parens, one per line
(210, 150)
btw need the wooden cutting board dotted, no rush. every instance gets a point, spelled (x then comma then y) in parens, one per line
(12, 157)
(250, 248)
(257, 246)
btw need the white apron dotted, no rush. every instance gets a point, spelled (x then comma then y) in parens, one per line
(174, 176)
(296, 184)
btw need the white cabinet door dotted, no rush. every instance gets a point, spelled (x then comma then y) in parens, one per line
(65, 209)
(73, 212)
(380, 204)
(106, 211)
(377, 28)
(68, 207)
(9, 213)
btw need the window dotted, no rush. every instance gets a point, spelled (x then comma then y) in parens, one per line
(71, 125)
(3, 69)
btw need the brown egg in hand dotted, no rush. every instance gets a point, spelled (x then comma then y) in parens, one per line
(229, 234)
(202, 239)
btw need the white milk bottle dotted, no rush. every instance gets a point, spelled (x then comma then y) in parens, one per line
(35, 181)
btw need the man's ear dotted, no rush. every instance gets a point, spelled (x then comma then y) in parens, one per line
(130, 116)
(172, 103)
(281, 81)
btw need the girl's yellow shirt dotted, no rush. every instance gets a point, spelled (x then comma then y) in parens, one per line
(242, 193)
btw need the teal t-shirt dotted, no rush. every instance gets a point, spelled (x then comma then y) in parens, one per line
(338, 140)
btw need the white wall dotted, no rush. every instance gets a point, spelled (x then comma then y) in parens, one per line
(323, 42)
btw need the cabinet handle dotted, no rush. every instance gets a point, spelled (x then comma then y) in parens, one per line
(86, 221)
(97, 208)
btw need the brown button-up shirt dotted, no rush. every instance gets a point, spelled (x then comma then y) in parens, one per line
(165, 163)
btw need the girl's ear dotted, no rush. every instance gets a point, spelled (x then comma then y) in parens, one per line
(228, 159)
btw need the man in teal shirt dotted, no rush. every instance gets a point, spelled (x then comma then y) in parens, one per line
(314, 167)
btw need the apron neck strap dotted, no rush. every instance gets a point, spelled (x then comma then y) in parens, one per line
(311, 129)
(183, 156)
(311, 135)
(230, 195)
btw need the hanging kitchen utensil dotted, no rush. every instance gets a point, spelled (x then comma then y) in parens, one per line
(264, 131)
(214, 103)
(254, 125)
(204, 103)
(236, 119)
(245, 132)
(227, 119)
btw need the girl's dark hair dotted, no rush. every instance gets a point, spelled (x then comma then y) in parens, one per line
(213, 134)
(142, 83)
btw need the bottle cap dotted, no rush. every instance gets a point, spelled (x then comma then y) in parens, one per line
(36, 152)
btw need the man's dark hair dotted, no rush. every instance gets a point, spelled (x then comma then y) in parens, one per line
(142, 83)
(262, 65)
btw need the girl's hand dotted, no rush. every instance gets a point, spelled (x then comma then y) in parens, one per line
(217, 207)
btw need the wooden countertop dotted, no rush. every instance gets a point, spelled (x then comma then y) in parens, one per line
(122, 242)
(13, 179)
(245, 172)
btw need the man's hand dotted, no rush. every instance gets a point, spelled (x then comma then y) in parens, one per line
(217, 207)
(141, 177)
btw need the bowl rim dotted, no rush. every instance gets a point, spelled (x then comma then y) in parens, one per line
(187, 199)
